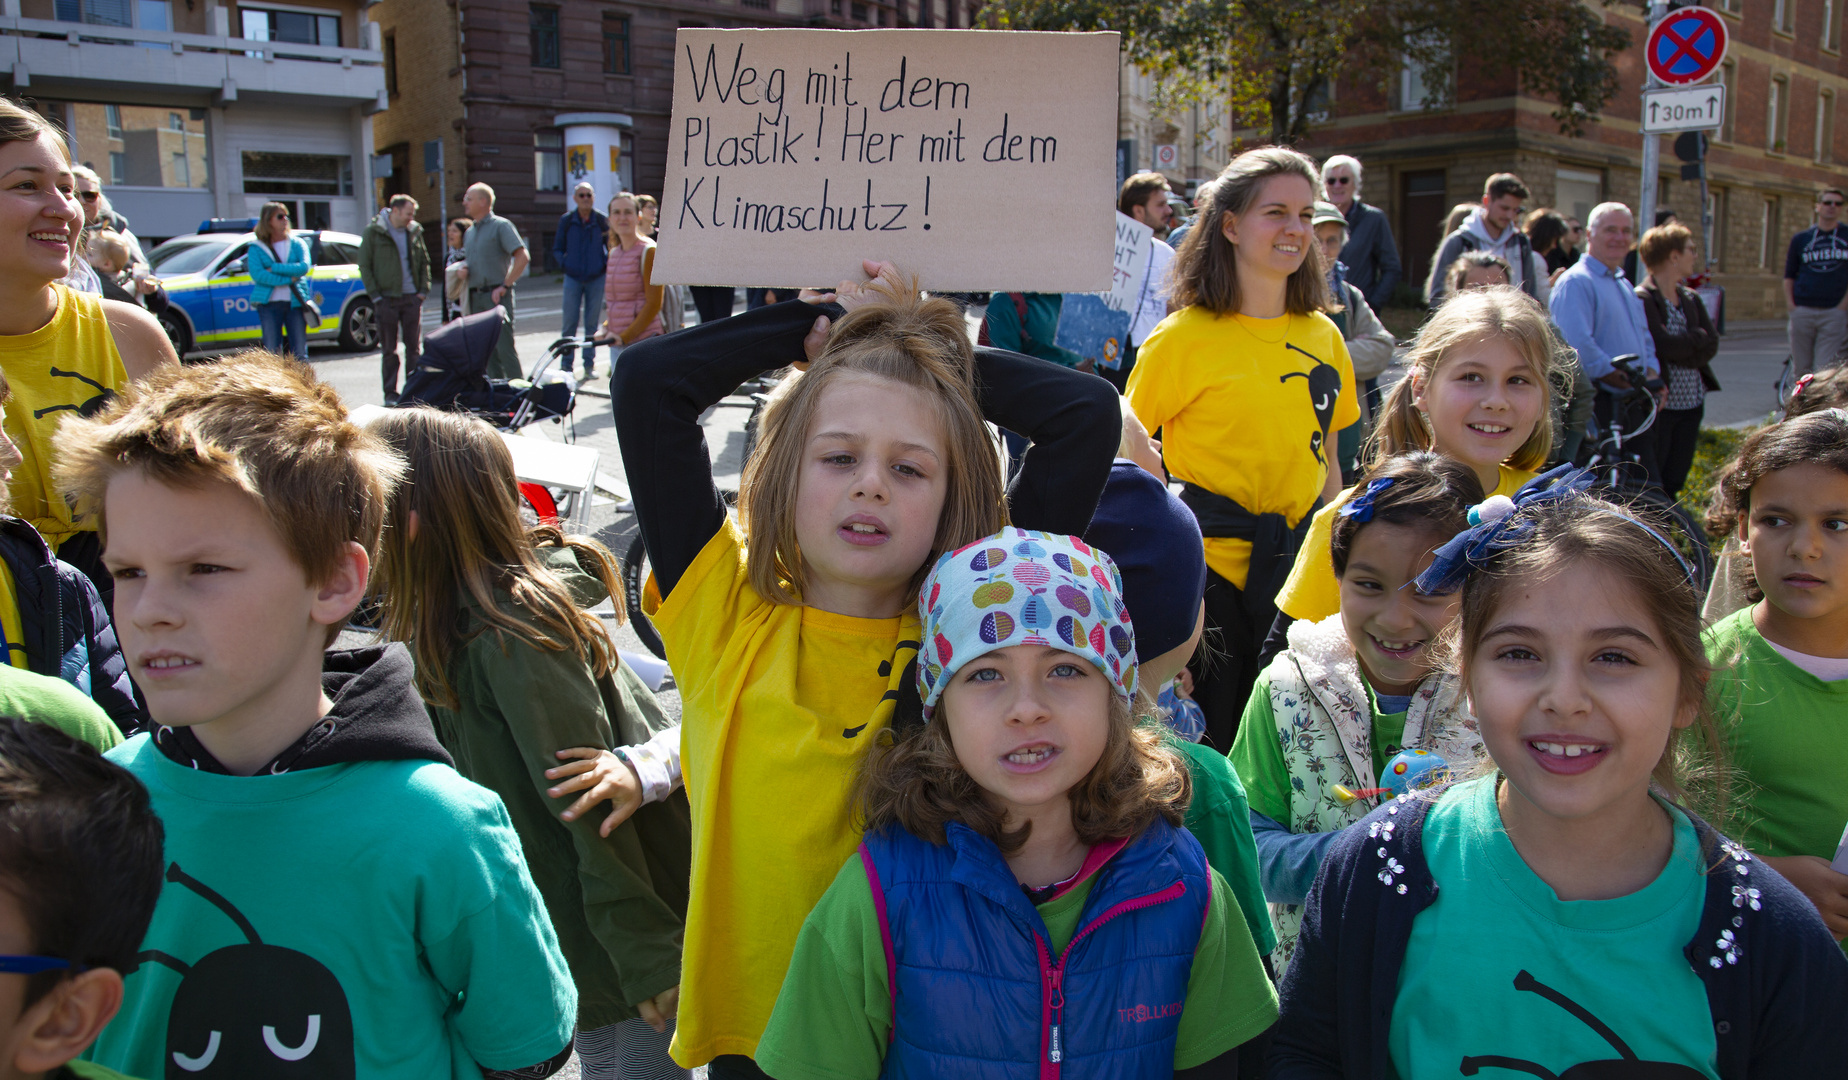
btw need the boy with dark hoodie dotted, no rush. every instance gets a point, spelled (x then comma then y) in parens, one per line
(339, 901)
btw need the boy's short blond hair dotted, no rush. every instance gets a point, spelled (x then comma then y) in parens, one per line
(112, 247)
(257, 421)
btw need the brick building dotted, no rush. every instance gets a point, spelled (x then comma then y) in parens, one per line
(499, 82)
(1784, 75)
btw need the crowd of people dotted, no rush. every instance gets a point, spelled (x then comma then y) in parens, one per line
(1235, 714)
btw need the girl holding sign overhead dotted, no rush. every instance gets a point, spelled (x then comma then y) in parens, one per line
(1248, 383)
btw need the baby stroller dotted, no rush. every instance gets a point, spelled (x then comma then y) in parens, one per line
(452, 374)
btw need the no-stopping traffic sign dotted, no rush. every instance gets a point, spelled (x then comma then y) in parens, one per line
(1686, 46)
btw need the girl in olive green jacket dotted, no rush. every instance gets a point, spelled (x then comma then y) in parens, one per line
(519, 677)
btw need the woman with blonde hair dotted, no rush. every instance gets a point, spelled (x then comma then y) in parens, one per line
(632, 306)
(1479, 388)
(63, 351)
(1248, 383)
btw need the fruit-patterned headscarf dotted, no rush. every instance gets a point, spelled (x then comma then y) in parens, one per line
(1020, 587)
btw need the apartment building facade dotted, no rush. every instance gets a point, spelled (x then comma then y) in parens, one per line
(1779, 143)
(193, 109)
(531, 97)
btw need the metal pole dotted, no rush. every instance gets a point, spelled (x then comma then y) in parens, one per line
(1652, 143)
(442, 189)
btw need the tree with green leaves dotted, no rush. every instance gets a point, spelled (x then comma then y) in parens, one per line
(1274, 59)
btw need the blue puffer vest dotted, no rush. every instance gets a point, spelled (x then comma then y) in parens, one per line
(974, 978)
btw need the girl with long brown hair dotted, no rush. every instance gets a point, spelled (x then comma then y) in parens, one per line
(518, 677)
(791, 628)
(1248, 383)
(1024, 874)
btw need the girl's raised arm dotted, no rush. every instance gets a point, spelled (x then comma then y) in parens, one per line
(1075, 424)
(660, 389)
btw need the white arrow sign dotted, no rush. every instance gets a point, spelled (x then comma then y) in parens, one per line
(1684, 108)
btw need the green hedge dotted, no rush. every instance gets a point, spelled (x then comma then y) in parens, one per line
(1716, 447)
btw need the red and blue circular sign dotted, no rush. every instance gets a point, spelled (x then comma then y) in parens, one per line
(1686, 46)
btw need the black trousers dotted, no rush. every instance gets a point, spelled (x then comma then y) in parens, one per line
(713, 301)
(1226, 665)
(1677, 434)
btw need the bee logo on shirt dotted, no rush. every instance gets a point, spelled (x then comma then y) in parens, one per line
(1324, 382)
(90, 407)
(254, 1011)
(1626, 1065)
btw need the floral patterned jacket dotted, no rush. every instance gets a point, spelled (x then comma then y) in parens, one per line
(1325, 725)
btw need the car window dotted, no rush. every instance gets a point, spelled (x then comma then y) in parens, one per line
(342, 255)
(177, 257)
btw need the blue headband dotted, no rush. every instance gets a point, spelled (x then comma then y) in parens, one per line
(1360, 507)
(1497, 524)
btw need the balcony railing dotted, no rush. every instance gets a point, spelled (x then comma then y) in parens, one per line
(64, 52)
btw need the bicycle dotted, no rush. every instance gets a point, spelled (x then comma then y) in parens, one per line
(635, 565)
(1626, 480)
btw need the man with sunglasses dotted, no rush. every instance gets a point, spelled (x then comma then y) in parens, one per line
(582, 247)
(1816, 288)
(1371, 256)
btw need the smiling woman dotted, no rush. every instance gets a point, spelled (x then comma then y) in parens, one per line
(63, 351)
(1248, 384)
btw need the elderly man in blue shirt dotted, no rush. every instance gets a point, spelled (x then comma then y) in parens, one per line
(1598, 313)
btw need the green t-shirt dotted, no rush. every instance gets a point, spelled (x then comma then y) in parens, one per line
(88, 1070)
(1786, 732)
(1257, 754)
(1495, 920)
(42, 699)
(401, 936)
(488, 247)
(835, 1008)
(1220, 818)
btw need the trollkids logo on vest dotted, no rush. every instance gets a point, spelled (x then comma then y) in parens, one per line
(1142, 1014)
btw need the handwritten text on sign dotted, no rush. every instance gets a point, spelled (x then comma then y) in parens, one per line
(974, 159)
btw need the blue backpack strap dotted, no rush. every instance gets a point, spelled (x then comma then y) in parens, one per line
(885, 933)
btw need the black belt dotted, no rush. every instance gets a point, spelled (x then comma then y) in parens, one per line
(1274, 543)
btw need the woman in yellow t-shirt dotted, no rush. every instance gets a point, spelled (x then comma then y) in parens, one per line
(1479, 388)
(1248, 381)
(792, 628)
(64, 352)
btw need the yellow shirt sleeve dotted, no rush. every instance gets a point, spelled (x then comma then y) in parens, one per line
(1312, 592)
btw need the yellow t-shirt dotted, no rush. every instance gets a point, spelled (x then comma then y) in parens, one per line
(1247, 408)
(10, 622)
(67, 367)
(778, 702)
(1313, 593)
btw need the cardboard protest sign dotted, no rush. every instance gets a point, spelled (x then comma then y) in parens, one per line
(977, 160)
(1096, 325)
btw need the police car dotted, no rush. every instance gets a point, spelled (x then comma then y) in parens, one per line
(209, 284)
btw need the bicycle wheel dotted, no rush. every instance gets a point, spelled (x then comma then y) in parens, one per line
(634, 579)
(1686, 533)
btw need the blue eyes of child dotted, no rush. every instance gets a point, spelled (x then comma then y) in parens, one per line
(1062, 671)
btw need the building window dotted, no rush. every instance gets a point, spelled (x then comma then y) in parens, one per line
(275, 173)
(1825, 125)
(764, 4)
(615, 44)
(1782, 14)
(391, 65)
(1730, 7)
(858, 11)
(1576, 191)
(1719, 258)
(141, 14)
(1831, 25)
(1777, 114)
(297, 27)
(834, 7)
(1767, 236)
(137, 145)
(1729, 73)
(545, 36)
(549, 160)
(1420, 86)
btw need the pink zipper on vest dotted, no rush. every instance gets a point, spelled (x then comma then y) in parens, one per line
(1052, 977)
